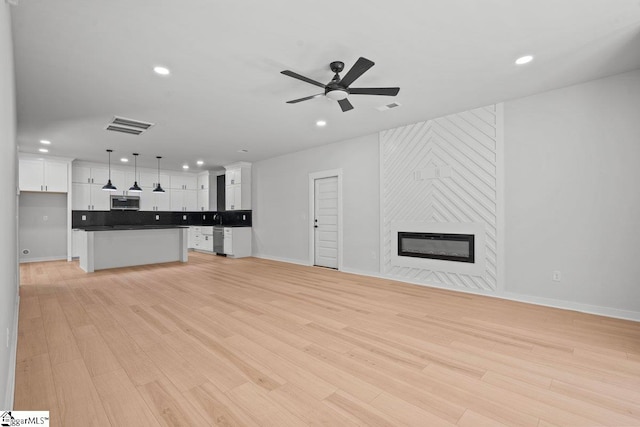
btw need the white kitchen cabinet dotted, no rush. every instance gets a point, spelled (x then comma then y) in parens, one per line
(81, 174)
(81, 200)
(233, 197)
(90, 197)
(237, 241)
(42, 175)
(201, 238)
(203, 200)
(233, 175)
(150, 180)
(184, 182)
(203, 181)
(191, 240)
(150, 201)
(76, 242)
(184, 200)
(89, 175)
(238, 186)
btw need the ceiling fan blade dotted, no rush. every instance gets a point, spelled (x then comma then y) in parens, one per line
(303, 78)
(306, 98)
(386, 91)
(345, 105)
(358, 69)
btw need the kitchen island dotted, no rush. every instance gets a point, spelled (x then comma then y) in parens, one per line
(105, 247)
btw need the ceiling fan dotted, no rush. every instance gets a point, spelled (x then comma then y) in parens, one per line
(338, 88)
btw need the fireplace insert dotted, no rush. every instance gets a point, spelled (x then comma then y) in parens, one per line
(449, 247)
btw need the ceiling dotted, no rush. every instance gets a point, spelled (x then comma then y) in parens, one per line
(79, 63)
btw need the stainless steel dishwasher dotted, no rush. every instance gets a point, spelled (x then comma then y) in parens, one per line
(218, 240)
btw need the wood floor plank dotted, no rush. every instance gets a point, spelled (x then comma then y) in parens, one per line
(79, 402)
(250, 342)
(122, 401)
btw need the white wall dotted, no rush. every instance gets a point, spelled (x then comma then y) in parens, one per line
(572, 159)
(280, 201)
(45, 239)
(8, 222)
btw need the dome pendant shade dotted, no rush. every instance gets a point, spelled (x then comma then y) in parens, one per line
(135, 188)
(158, 188)
(337, 94)
(109, 186)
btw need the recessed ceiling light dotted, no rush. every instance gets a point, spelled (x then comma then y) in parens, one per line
(163, 71)
(45, 142)
(124, 160)
(524, 59)
(244, 150)
(200, 163)
(43, 150)
(185, 166)
(321, 123)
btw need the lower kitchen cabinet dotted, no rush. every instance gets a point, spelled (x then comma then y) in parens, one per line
(201, 238)
(237, 242)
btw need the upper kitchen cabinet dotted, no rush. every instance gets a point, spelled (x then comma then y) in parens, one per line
(238, 186)
(37, 174)
(98, 176)
(150, 180)
(184, 182)
(203, 181)
(183, 200)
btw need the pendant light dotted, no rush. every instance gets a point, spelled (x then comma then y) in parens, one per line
(135, 188)
(158, 188)
(109, 186)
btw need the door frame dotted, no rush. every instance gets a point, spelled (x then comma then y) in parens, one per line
(312, 197)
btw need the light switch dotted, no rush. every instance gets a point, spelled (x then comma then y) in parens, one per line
(157, 217)
(184, 217)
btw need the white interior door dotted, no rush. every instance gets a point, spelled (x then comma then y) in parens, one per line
(326, 222)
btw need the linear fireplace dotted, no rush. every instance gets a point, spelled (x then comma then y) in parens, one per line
(450, 247)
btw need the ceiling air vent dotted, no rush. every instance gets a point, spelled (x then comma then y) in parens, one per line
(130, 126)
(388, 106)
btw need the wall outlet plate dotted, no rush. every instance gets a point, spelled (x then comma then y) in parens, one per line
(557, 276)
(157, 217)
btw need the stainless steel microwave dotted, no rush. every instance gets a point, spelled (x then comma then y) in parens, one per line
(125, 203)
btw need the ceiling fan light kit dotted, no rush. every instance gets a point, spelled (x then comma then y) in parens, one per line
(338, 88)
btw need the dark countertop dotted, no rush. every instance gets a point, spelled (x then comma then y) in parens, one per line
(129, 227)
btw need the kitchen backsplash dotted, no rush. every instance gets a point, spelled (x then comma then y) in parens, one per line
(81, 219)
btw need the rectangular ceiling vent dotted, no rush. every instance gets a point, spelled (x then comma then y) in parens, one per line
(388, 106)
(130, 126)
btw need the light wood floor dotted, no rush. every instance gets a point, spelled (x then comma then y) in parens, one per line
(254, 342)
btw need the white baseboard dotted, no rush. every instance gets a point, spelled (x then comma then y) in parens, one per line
(289, 260)
(52, 258)
(13, 348)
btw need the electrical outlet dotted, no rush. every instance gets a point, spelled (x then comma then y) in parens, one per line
(157, 217)
(84, 217)
(556, 276)
(184, 217)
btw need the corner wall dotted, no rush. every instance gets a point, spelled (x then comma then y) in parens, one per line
(8, 218)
